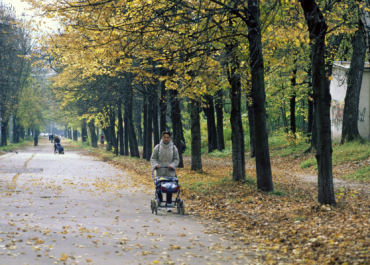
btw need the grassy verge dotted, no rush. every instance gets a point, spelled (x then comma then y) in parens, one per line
(363, 174)
(348, 152)
(11, 147)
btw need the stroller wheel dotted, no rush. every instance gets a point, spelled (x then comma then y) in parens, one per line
(156, 207)
(182, 208)
(179, 203)
(152, 205)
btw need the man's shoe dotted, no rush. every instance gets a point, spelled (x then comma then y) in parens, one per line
(169, 209)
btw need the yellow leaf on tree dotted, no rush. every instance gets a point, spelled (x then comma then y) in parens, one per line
(330, 77)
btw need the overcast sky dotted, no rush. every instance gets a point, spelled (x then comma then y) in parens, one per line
(18, 5)
(20, 9)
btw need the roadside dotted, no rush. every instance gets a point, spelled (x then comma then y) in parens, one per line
(286, 225)
(15, 147)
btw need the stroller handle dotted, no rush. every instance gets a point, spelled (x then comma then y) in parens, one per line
(154, 168)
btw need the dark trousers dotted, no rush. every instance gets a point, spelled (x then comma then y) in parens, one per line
(169, 196)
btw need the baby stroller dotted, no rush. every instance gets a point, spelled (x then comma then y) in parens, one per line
(59, 149)
(164, 184)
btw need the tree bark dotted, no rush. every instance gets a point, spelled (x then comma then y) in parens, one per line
(155, 118)
(196, 140)
(75, 138)
(176, 124)
(252, 137)
(15, 128)
(293, 97)
(149, 135)
(321, 94)
(238, 150)
(220, 120)
(126, 132)
(93, 136)
(351, 102)
(120, 131)
(145, 124)
(263, 165)
(4, 131)
(70, 136)
(163, 108)
(83, 130)
(134, 149)
(209, 110)
(137, 117)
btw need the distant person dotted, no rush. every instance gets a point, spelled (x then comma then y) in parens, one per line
(102, 139)
(56, 141)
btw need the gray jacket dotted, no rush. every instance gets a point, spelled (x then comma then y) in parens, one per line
(165, 155)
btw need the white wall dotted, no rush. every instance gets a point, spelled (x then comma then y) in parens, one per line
(338, 87)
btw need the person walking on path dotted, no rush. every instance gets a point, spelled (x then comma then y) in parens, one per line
(165, 154)
(56, 141)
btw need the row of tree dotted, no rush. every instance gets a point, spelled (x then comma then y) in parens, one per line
(22, 86)
(112, 54)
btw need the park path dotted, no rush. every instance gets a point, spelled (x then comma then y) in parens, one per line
(74, 209)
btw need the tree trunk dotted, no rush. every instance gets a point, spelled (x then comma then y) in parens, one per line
(126, 132)
(176, 124)
(36, 138)
(209, 110)
(145, 124)
(108, 138)
(137, 117)
(120, 131)
(163, 108)
(93, 136)
(15, 129)
(351, 102)
(220, 121)
(134, 149)
(4, 131)
(237, 134)
(252, 137)
(97, 135)
(83, 131)
(149, 134)
(293, 126)
(75, 138)
(112, 125)
(196, 140)
(70, 136)
(322, 100)
(155, 118)
(264, 175)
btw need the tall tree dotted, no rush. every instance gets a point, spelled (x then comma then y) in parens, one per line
(317, 28)
(351, 102)
(196, 147)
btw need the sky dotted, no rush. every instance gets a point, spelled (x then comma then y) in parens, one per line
(18, 5)
(22, 12)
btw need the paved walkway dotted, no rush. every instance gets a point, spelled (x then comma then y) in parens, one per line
(74, 209)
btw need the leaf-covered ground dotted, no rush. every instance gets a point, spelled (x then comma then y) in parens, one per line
(286, 226)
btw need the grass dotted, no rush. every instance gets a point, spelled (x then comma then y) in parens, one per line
(277, 193)
(362, 174)
(308, 163)
(11, 147)
(224, 153)
(348, 152)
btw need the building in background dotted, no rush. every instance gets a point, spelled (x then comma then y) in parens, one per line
(338, 88)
